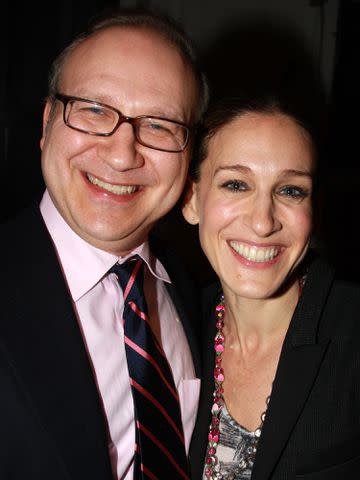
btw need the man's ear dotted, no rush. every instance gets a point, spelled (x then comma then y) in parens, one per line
(46, 118)
(190, 203)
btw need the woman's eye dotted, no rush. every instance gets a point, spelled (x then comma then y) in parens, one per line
(296, 193)
(235, 186)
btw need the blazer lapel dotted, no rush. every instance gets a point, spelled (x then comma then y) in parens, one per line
(294, 380)
(44, 339)
(199, 439)
(299, 364)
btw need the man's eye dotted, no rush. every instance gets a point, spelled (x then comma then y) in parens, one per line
(88, 109)
(235, 186)
(94, 110)
(156, 126)
(296, 193)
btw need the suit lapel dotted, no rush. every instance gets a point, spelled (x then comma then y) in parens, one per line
(50, 356)
(185, 297)
(299, 364)
(187, 325)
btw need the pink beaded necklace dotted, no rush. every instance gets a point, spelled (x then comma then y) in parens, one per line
(214, 432)
(211, 460)
(218, 402)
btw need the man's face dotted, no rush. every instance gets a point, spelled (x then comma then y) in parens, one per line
(111, 190)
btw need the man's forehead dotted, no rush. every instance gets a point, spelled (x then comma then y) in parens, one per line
(132, 56)
(118, 44)
(130, 35)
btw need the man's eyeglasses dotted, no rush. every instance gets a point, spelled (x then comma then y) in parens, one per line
(99, 119)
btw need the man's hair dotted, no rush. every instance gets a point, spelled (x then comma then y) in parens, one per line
(141, 19)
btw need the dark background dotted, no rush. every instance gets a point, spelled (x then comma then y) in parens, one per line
(244, 54)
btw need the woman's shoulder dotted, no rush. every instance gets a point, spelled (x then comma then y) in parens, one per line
(322, 273)
(341, 289)
(340, 300)
(344, 304)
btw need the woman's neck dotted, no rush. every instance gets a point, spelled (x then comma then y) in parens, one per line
(255, 324)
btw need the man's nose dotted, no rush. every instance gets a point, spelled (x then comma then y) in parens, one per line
(120, 150)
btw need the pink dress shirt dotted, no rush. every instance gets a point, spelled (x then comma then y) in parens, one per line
(98, 303)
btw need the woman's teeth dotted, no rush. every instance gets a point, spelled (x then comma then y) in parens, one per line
(255, 254)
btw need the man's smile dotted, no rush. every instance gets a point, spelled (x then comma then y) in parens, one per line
(116, 189)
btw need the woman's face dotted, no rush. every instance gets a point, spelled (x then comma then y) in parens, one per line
(253, 202)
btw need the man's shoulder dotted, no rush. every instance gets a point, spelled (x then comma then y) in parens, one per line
(23, 237)
(166, 254)
(27, 218)
(176, 267)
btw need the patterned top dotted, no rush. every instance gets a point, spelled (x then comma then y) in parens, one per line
(235, 450)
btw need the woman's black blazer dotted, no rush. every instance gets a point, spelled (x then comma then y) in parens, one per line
(312, 426)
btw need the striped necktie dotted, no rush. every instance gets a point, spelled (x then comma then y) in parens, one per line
(159, 451)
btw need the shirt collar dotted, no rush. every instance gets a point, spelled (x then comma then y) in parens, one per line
(83, 264)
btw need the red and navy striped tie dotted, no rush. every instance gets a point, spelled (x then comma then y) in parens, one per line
(160, 451)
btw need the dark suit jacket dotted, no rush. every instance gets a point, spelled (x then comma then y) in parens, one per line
(312, 426)
(52, 424)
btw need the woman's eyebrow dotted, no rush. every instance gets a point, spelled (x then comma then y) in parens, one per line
(295, 173)
(233, 168)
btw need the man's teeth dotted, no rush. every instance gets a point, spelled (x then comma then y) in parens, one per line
(255, 254)
(117, 189)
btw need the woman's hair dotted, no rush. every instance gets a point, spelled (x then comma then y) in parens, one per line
(223, 111)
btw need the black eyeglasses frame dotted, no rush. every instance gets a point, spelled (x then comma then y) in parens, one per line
(65, 99)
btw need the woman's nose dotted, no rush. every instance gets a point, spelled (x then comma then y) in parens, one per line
(264, 219)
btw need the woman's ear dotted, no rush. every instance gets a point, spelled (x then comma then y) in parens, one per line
(190, 203)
